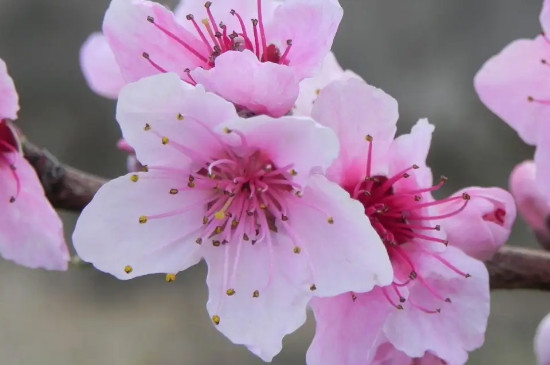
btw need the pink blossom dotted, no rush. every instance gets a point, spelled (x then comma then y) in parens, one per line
(244, 194)
(515, 85)
(438, 302)
(532, 205)
(100, 67)
(252, 53)
(30, 231)
(542, 339)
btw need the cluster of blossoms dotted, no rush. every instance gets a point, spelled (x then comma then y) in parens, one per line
(253, 150)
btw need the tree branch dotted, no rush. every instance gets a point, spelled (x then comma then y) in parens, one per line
(71, 189)
(65, 187)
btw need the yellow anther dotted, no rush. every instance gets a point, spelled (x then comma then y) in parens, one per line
(263, 206)
(165, 140)
(330, 220)
(173, 191)
(230, 292)
(191, 184)
(219, 215)
(218, 230)
(297, 250)
(128, 269)
(143, 219)
(293, 172)
(180, 116)
(368, 138)
(216, 319)
(147, 127)
(313, 287)
(227, 130)
(216, 243)
(134, 178)
(235, 223)
(317, 91)
(170, 278)
(256, 294)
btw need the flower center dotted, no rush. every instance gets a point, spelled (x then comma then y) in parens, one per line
(8, 155)
(217, 39)
(402, 216)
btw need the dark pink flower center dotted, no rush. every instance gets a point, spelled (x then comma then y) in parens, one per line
(400, 217)
(217, 39)
(8, 153)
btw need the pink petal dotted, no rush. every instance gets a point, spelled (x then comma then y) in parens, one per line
(263, 88)
(164, 106)
(533, 206)
(347, 329)
(388, 355)
(354, 110)
(31, 233)
(109, 233)
(297, 142)
(460, 327)
(413, 148)
(130, 35)
(311, 26)
(507, 80)
(484, 225)
(542, 339)
(100, 67)
(311, 88)
(267, 303)
(542, 160)
(347, 255)
(9, 100)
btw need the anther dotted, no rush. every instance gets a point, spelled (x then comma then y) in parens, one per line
(216, 319)
(465, 196)
(204, 220)
(180, 116)
(256, 294)
(368, 138)
(189, 17)
(297, 250)
(216, 243)
(151, 20)
(142, 219)
(530, 99)
(219, 215)
(467, 276)
(147, 127)
(170, 278)
(437, 227)
(443, 179)
(145, 55)
(165, 140)
(313, 287)
(128, 269)
(417, 198)
(12, 199)
(415, 166)
(173, 191)
(330, 220)
(293, 172)
(134, 178)
(230, 292)
(191, 184)
(284, 218)
(245, 237)
(208, 4)
(448, 300)
(198, 241)
(353, 297)
(413, 275)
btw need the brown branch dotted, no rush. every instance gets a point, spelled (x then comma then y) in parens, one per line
(520, 268)
(69, 188)
(65, 187)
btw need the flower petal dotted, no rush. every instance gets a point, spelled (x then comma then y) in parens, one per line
(484, 225)
(311, 88)
(532, 205)
(354, 109)
(311, 26)
(507, 81)
(9, 100)
(347, 328)
(253, 294)
(112, 233)
(130, 34)
(164, 106)
(295, 141)
(263, 88)
(542, 339)
(100, 67)
(542, 160)
(31, 233)
(545, 16)
(345, 255)
(461, 325)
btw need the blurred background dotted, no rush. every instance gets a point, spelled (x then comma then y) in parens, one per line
(423, 52)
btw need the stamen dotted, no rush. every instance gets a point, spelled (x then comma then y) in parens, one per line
(191, 18)
(262, 30)
(283, 60)
(153, 63)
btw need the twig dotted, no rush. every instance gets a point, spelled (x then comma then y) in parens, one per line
(69, 188)
(65, 187)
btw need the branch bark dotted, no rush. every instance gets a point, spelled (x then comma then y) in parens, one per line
(66, 187)
(71, 189)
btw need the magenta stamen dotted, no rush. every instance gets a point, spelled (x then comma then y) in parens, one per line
(369, 157)
(423, 309)
(283, 60)
(256, 40)
(244, 34)
(178, 40)
(390, 300)
(538, 101)
(154, 64)
(262, 31)
(442, 216)
(200, 33)
(191, 79)
(206, 24)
